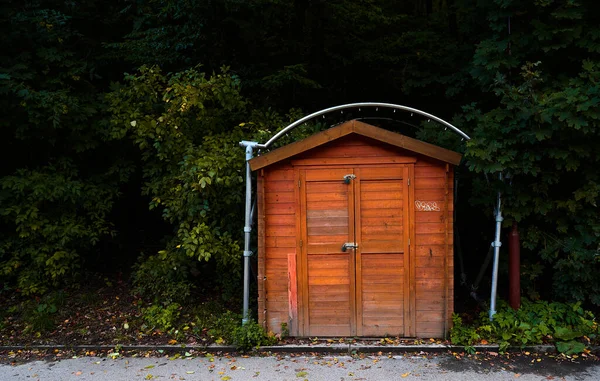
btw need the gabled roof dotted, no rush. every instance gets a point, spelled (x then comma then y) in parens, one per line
(358, 128)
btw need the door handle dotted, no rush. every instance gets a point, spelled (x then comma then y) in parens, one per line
(349, 245)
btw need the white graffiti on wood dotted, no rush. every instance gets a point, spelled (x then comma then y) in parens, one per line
(427, 206)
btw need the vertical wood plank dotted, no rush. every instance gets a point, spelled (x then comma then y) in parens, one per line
(262, 257)
(412, 252)
(303, 313)
(406, 217)
(292, 293)
(295, 320)
(357, 237)
(352, 237)
(446, 243)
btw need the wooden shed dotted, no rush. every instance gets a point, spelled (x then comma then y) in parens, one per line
(355, 235)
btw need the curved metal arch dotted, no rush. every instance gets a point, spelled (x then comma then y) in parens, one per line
(251, 146)
(361, 104)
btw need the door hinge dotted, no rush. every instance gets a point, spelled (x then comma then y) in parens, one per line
(409, 181)
(409, 242)
(301, 243)
(298, 183)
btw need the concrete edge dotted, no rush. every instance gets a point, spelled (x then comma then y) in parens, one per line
(333, 348)
(122, 347)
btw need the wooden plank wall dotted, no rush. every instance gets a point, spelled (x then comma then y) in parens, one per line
(278, 220)
(348, 150)
(432, 245)
(277, 188)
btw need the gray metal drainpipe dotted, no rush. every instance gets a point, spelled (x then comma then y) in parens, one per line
(496, 245)
(249, 146)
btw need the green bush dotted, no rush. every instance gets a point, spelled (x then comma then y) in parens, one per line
(40, 315)
(206, 313)
(227, 328)
(534, 323)
(41, 318)
(251, 335)
(223, 326)
(161, 317)
(163, 278)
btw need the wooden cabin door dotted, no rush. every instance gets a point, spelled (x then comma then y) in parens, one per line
(353, 268)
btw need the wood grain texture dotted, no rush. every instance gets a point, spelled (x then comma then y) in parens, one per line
(292, 292)
(262, 307)
(387, 287)
(276, 205)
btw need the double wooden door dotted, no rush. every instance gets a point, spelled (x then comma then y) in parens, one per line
(353, 273)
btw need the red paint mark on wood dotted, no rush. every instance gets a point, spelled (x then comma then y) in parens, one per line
(292, 290)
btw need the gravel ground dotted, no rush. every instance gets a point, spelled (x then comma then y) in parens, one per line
(303, 367)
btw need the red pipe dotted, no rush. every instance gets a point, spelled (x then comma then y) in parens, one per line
(514, 271)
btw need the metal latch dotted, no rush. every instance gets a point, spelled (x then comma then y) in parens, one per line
(347, 178)
(349, 245)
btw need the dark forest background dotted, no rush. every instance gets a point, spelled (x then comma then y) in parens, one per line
(120, 122)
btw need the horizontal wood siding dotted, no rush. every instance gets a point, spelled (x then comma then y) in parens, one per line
(353, 148)
(431, 248)
(326, 296)
(278, 215)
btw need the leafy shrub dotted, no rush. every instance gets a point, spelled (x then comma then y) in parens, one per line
(40, 316)
(228, 328)
(41, 319)
(163, 278)
(462, 334)
(161, 317)
(223, 327)
(251, 335)
(534, 323)
(52, 217)
(206, 313)
(187, 126)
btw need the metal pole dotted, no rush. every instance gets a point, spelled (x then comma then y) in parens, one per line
(496, 245)
(247, 229)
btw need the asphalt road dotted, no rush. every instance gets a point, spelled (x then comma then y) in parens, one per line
(303, 367)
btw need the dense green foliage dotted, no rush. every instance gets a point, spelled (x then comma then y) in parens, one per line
(184, 126)
(540, 125)
(55, 195)
(568, 326)
(115, 108)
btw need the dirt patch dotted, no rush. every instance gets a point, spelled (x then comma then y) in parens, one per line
(97, 315)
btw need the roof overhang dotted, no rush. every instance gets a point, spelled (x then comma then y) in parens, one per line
(361, 129)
